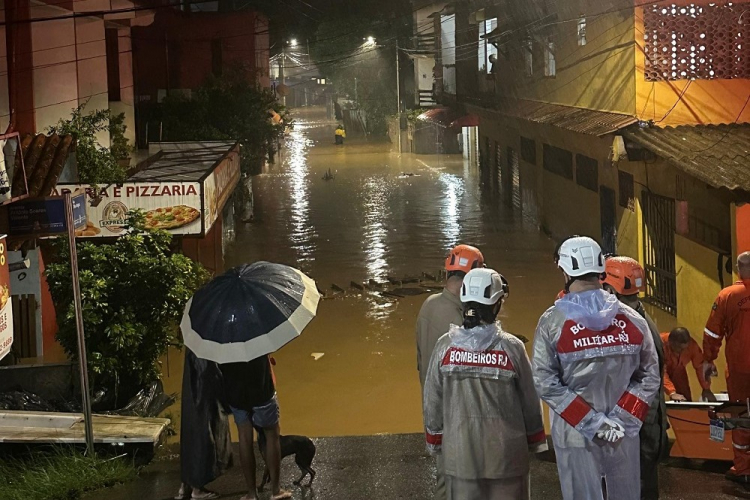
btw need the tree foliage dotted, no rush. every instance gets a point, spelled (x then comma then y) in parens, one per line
(96, 164)
(343, 56)
(227, 107)
(133, 293)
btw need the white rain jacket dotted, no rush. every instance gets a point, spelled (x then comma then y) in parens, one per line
(480, 407)
(594, 358)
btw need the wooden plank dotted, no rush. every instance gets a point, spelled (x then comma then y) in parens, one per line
(41, 427)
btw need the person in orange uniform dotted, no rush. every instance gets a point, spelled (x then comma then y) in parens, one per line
(679, 351)
(730, 319)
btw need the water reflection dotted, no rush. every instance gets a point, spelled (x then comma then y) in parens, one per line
(450, 207)
(377, 211)
(302, 234)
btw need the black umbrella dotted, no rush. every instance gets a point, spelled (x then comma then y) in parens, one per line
(248, 312)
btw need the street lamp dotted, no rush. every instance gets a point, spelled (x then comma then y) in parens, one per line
(370, 41)
(293, 42)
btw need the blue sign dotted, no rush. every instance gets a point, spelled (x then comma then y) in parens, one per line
(44, 215)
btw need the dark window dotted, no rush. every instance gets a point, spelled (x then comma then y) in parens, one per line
(558, 161)
(587, 172)
(627, 190)
(528, 150)
(216, 62)
(113, 63)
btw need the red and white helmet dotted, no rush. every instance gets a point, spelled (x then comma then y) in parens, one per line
(484, 286)
(580, 256)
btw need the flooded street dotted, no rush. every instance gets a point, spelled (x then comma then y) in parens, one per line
(383, 215)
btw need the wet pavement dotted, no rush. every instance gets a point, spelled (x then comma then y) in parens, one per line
(394, 466)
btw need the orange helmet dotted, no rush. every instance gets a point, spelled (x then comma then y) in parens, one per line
(625, 275)
(464, 258)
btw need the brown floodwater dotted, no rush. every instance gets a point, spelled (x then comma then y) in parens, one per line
(384, 215)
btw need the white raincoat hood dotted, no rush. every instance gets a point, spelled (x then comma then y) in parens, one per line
(594, 309)
(476, 339)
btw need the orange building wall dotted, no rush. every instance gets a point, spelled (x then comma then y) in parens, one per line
(743, 228)
(704, 101)
(51, 350)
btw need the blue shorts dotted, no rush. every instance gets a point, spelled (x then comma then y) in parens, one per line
(264, 416)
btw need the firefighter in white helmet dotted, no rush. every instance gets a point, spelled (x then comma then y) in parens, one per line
(596, 367)
(481, 411)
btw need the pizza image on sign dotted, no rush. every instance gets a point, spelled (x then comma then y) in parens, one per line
(171, 217)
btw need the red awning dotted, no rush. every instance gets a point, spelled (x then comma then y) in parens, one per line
(439, 116)
(466, 121)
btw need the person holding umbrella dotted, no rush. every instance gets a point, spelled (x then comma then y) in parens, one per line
(237, 320)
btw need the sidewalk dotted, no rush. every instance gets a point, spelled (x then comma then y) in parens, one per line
(394, 466)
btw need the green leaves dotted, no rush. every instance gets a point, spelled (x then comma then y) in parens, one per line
(134, 292)
(227, 107)
(96, 163)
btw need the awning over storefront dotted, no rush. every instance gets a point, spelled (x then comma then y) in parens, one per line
(182, 188)
(718, 155)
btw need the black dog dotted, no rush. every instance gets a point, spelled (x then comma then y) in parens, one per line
(301, 447)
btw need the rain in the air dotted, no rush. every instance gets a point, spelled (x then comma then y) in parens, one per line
(363, 250)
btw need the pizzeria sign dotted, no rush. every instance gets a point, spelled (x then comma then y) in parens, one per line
(175, 207)
(204, 177)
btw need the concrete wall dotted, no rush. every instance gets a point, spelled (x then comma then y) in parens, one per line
(176, 51)
(126, 104)
(69, 66)
(599, 75)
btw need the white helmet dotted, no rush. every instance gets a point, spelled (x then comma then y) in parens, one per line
(581, 255)
(484, 286)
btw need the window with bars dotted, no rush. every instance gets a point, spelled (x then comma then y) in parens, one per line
(696, 41)
(558, 161)
(587, 172)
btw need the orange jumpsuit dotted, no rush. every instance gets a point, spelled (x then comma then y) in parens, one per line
(675, 374)
(730, 319)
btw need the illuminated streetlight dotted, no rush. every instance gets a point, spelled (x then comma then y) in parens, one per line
(370, 40)
(293, 42)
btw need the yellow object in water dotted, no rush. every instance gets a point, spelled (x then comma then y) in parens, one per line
(341, 132)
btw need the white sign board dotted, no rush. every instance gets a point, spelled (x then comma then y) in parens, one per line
(172, 206)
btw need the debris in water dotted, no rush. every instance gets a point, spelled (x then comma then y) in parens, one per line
(317, 355)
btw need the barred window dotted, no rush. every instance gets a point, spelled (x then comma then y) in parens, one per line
(695, 41)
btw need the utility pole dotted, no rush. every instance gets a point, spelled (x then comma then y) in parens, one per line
(356, 94)
(398, 96)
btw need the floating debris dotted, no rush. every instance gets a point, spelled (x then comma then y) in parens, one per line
(317, 355)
